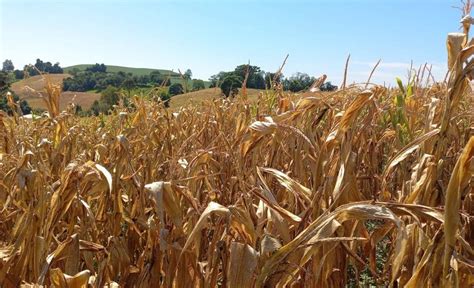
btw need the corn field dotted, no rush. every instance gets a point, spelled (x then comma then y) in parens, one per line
(368, 185)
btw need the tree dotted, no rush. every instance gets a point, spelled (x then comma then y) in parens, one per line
(163, 95)
(40, 65)
(101, 68)
(298, 82)
(176, 89)
(188, 74)
(56, 69)
(128, 84)
(159, 79)
(4, 88)
(230, 86)
(255, 79)
(198, 84)
(327, 86)
(270, 79)
(108, 98)
(216, 80)
(8, 66)
(4, 83)
(19, 74)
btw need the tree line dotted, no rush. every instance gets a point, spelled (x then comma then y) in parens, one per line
(231, 81)
(31, 70)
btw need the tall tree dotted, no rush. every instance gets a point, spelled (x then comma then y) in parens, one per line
(40, 65)
(230, 86)
(8, 66)
(188, 74)
(255, 79)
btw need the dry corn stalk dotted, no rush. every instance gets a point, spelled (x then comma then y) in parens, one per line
(311, 192)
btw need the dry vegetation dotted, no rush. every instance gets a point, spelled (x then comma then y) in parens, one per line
(200, 97)
(32, 90)
(320, 191)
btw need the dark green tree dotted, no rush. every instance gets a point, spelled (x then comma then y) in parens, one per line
(176, 89)
(230, 85)
(19, 74)
(214, 79)
(298, 82)
(159, 79)
(4, 83)
(255, 79)
(128, 84)
(327, 86)
(101, 68)
(188, 74)
(40, 65)
(8, 66)
(56, 69)
(165, 97)
(4, 88)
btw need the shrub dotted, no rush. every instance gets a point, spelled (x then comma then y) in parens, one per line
(176, 89)
(198, 85)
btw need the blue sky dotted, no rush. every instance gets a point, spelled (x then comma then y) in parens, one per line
(213, 36)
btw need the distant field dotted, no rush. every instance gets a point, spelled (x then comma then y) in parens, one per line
(30, 89)
(199, 97)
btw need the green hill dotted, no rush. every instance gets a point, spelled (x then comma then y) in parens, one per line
(115, 69)
(174, 76)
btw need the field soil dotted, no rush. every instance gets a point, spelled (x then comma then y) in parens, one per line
(33, 88)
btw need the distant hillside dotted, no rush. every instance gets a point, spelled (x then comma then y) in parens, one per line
(30, 89)
(115, 69)
(174, 76)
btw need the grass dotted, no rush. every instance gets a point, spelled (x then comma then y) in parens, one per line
(115, 69)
